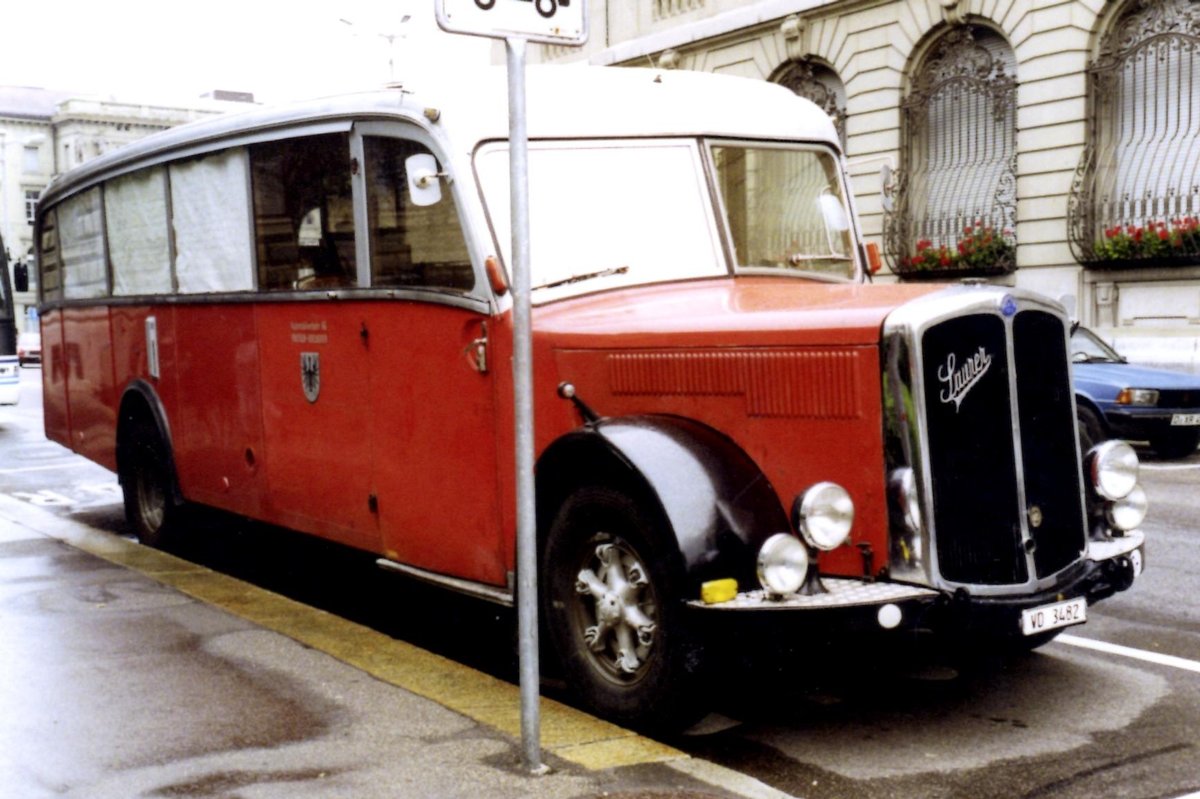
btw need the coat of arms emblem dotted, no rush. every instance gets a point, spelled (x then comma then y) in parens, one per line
(310, 375)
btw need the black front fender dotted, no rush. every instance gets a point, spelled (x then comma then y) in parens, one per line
(710, 496)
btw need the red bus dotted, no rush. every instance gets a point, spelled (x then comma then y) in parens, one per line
(301, 315)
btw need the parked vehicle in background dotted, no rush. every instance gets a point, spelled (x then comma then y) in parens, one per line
(1117, 399)
(10, 369)
(29, 348)
(302, 315)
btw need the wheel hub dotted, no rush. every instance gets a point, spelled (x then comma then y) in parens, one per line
(623, 633)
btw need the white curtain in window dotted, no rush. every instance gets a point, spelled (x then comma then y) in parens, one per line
(135, 211)
(210, 204)
(81, 237)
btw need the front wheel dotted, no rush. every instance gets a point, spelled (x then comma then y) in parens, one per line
(1091, 429)
(615, 612)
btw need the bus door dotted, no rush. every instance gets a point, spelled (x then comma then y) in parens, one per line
(431, 389)
(313, 350)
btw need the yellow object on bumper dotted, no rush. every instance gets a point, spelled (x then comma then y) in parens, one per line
(715, 591)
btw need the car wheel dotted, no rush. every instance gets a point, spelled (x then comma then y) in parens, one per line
(1091, 429)
(146, 487)
(1178, 444)
(615, 614)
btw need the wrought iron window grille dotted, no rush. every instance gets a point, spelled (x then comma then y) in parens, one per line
(953, 210)
(822, 86)
(1135, 198)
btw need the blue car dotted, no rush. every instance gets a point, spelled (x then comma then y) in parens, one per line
(1117, 399)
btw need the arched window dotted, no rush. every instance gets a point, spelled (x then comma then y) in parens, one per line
(1136, 195)
(954, 211)
(817, 82)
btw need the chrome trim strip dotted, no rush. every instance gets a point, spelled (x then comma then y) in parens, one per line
(483, 591)
(1116, 547)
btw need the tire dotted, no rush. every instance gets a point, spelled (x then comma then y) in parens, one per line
(1177, 444)
(1091, 429)
(615, 613)
(147, 488)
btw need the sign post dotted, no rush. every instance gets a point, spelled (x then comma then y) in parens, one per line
(517, 22)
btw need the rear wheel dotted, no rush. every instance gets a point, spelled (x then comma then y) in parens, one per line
(615, 612)
(145, 474)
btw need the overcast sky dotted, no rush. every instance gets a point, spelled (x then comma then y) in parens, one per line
(175, 51)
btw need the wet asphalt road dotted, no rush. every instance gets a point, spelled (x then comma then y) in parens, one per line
(1064, 722)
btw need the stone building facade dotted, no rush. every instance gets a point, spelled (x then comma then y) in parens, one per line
(45, 132)
(1050, 144)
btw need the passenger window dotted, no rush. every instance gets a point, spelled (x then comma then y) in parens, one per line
(411, 245)
(209, 212)
(48, 258)
(135, 214)
(81, 236)
(303, 213)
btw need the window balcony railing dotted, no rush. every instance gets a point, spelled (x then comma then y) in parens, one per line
(1135, 200)
(951, 211)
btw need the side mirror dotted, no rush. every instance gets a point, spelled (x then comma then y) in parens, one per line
(885, 182)
(424, 185)
(833, 211)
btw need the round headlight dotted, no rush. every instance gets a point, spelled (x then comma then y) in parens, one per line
(1114, 469)
(1128, 512)
(782, 564)
(824, 515)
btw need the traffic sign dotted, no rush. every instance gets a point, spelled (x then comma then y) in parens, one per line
(546, 21)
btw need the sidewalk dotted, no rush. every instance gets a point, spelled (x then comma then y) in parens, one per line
(127, 672)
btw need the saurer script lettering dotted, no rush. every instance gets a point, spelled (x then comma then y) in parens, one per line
(959, 380)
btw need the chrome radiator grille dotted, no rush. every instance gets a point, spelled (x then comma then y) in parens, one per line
(979, 406)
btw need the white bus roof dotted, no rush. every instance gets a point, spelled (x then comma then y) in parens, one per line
(561, 102)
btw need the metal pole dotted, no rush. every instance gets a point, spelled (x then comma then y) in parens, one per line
(527, 622)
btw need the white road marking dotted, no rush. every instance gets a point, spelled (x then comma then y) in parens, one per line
(1129, 652)
(733, 781)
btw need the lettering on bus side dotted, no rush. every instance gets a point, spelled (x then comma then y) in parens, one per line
(309, 333)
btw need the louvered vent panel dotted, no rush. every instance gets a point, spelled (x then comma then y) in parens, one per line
(811, 384)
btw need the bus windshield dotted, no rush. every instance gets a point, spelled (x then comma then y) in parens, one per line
(785, 209)
(608, 214)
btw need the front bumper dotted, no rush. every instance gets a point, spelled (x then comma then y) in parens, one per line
(1141, 424)
(858, 606)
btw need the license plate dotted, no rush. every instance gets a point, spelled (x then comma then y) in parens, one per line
(1050, 617)
(1185, 419)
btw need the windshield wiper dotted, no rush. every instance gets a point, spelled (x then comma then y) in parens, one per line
(616, 270)
(795, 259)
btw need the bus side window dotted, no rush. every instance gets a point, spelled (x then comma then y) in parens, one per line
(303, 213)
(48, 260)
(81, 237)
(411, 245)
(209, 212)
(135, 213)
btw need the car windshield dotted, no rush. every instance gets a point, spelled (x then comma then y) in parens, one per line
(785, 209)
(606, 214)
(1087, 347)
